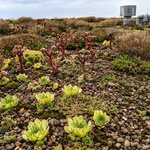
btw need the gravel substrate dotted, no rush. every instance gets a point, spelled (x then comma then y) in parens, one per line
(125, 98)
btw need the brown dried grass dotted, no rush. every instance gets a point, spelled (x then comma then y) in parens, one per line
(135, 43)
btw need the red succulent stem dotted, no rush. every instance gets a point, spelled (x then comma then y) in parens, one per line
(110, 43)
(85, 36)
(77, 49)
(82, 60)
(21, 66)
(110, 35)
(54, 68)
(77, 39)
(19, 51)
(51, 62)
(62, 49)
(92, 55)
(62, 42)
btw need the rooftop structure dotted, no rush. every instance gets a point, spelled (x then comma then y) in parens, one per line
(127, 12)
(143, 20)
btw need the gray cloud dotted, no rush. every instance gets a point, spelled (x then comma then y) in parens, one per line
(67, 8)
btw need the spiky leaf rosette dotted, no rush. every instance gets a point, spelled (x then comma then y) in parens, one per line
(70, 90)
(45, 98)
(4, 80)
(101, 119)
(37, 130)
(22, 77)
(44, 80)
(77, 127)
(9, 102)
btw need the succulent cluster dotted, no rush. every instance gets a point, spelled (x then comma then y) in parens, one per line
(6, 64)
(44, 80)
(78, 128)
(9, 102)
(101, 119)
(45, 98)
(32, 57)
(37, 130)
(22, 77)
(4, 80)
(133, 65)
(70, 91)
(34, 85)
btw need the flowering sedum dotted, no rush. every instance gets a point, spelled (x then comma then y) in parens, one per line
(70, 90)
(101, 119)
(8, 102)
(78, 128)
(45, 98)
(37, 130)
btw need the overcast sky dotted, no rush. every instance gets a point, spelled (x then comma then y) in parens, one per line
(68, 8)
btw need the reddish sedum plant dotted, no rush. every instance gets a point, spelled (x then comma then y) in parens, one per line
(82, 59)
(62, 42)
(110, 35)
(85, 36)
(19, 50)
(77, 39)
(92, 55)
(88, 40)
(49, 53)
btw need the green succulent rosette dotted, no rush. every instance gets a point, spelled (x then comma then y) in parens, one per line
(101, 119)
(45, 98)
(70, 90)
(9, 102)
(77, 127)
(37, 130)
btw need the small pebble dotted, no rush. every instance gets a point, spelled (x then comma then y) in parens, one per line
(134, 144)
(97, 144)
(145, 147)
(110, 143)
(126, 143)
(27, 114)
(120, 140)
(118, 145)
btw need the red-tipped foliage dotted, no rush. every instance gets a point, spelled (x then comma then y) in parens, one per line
(49, 52)
(18, 49)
